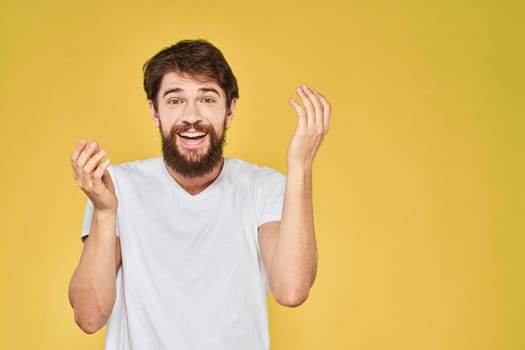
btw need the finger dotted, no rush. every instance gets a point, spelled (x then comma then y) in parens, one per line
(94, 161)
(310, 113)
(78, 148)
(301, 114)
(327, 110)
(318, 108)
(101, 169)
(86, 154)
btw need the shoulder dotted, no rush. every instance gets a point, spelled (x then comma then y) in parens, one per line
(139, 165)
(142, 165)
(146, 168)
(237, 167)
(240, 171)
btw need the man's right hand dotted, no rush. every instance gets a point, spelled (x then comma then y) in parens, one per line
(92, 175)
(92, 287)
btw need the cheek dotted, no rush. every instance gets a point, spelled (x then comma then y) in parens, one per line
(164, 129)
(168, 116)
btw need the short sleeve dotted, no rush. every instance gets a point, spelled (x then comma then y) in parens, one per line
(269, 196)
(88, 214)
(88, 217)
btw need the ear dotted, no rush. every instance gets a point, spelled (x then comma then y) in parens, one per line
(231, 111)
(154, 114)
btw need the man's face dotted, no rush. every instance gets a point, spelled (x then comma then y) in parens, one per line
(192, 116)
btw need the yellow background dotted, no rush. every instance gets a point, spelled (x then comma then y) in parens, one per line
(419, 190)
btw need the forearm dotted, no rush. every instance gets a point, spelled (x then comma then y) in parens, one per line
(92, 287)
(294, 262)
(289, 249)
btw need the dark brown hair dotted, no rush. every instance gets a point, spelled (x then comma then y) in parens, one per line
(198, 59)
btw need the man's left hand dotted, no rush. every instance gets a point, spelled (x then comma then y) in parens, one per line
(312, 127)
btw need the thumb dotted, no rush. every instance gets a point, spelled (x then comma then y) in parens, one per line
(107, 181)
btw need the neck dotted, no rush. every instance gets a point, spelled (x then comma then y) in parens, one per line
(195, 185)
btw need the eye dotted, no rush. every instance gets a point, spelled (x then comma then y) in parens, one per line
(174, 101)
(208, 100)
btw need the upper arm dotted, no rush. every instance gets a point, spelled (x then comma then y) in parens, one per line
(268, 233)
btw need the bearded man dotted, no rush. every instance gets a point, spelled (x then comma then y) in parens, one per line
(180, 250)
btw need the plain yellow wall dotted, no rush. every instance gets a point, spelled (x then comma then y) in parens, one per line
(419, 190)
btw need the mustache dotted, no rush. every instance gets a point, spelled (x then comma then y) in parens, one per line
(176, 129)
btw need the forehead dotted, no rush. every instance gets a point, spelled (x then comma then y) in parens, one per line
(187, 83)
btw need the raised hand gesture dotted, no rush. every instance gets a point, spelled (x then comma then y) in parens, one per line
(92, 176)
(312, 127)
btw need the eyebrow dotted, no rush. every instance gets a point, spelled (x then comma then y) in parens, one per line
(204, 89)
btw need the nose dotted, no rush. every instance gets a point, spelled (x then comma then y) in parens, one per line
(191, 114)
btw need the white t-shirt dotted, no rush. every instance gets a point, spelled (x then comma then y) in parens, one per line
(192, 275)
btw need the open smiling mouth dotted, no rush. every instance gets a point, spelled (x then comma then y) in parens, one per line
(192, 135)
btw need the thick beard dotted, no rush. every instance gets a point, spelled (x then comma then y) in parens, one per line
(192, 164)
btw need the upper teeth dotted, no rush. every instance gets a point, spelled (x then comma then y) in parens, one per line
(193, 134)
